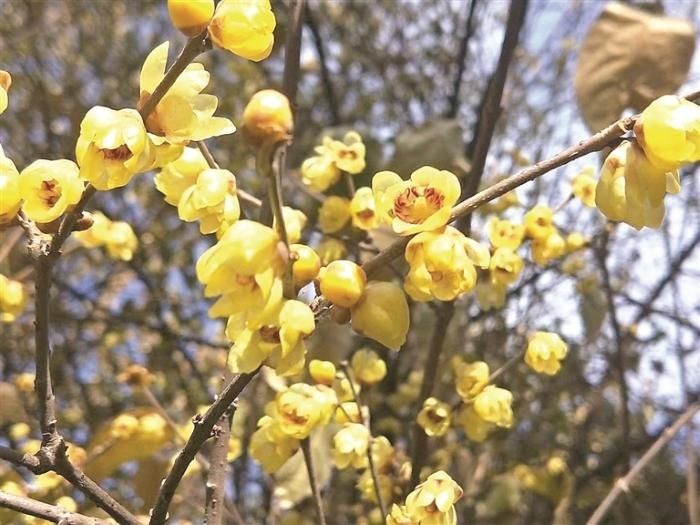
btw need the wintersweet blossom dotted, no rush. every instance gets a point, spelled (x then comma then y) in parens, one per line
(13, 299)
(545, 351)
(334, 214)
(432, 502)
(113, 146)
(212, 201)
(539, 222)
(505, 234)
(363, 209)
(191, 17)
(301, 408)
(382, 314)
(471, 379)
(9, 189)
(505, 266)
(270, 446)
(244, 27)
(350, 446)
(493, 404)
(434, 417)
(583, 186)
(668, 131)
(443, 264)
(48, 188)
(423, 203)
(184, 113)
(368, 368)
(267, 118)
(342, 283)
(5, 83)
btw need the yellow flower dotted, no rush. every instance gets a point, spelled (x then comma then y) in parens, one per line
(191, 17)
(362, 209)
(631, 189)
(432, 502)
(583, 186)
(434, 417)
(243, 266)
(442, 264)
(306, 265)
(331, 250)
(9, 189)
(545, 249)
(505, 234)
(322, 372)
(334, 214)
(25, 381)
(471, 379)
(5, 83)
(423, 203)
(113, 146)
(348, 154)
(267, 118)
(212, 200)
(505, 267)
(301, 408)
(244, 27)
(270, 446)
(399, 516)
(183, 114)
(368, 368)
(669, 132)
(539, 222)
(13, 299)
(121, 241)
(342, 283)
(493, 405)
(294, 223)
(545, 351)
(350, 446)
(175, 177)
(48, 188)
(575, 241)
(320, 171)
(490, 296)
(382, 314)
(474, 426)
(274, 337)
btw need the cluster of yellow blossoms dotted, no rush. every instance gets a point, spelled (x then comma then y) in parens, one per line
(117, 237)
(333, 158)
(486, 406)
(637, 175)
(430, 503)
(13, 299)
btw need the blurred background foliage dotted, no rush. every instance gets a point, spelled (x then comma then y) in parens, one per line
(386, 68)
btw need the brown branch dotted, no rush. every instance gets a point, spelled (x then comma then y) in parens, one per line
(326, 78)
(365, 422)
(430, 368)
(623, 484)
(39, 509)
(453, 105)
(292, 53)
(203, 427)
(602, 255)
(490, 109)
(216, 478)
(597, 142)
(315, 490)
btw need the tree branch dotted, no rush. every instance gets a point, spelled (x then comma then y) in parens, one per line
(52, 513)
(623, 484)
(203, 427)
(461, 60)
(315, 490)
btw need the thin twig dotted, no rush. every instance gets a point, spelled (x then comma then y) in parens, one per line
(365, 422)
(52, 513)
(203, 426)
(602, 254)
(461, 61)
(420, 439)
(326, 77)
(623, 484)
(315, 490)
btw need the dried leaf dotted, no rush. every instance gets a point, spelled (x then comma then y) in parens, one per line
(629, 58)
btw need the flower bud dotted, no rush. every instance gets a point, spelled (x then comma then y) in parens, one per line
(306, 264)
(5, 83)
(190, 17)
(322, 372)
(382, 314)
(267, 118)
(342, 283)
(244, 27)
